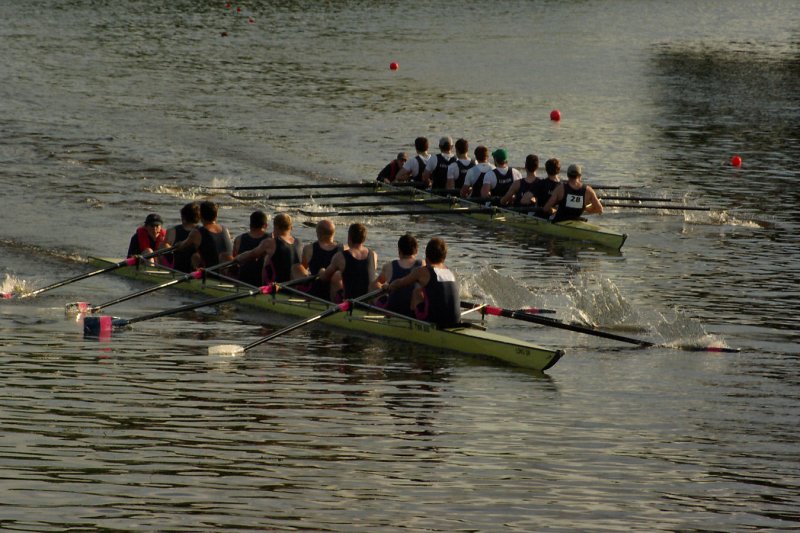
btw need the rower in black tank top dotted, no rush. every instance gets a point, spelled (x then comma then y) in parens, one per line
(355, 277)
(442, 305)
(250, 271)
(182, 260)
(279, 268)
(320, 258)
(213, 244)
(400, 301)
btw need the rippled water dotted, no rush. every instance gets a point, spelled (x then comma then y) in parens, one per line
(111, 110)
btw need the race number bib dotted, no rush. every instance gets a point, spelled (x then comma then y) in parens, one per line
(574, 201)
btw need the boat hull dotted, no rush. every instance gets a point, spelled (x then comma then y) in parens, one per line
(568, 229)
(467, 340)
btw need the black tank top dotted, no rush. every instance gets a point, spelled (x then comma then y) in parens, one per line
(420, 169)
(213, 244)
(182, 260)
(571, 206)
(504, 181)
(477, 186)
(355, 276)
(543, 189)
(250, 272)
(439, 174)
(462, 172)
(320, 258)
(442, 301)
(279, 268)
(400, 301)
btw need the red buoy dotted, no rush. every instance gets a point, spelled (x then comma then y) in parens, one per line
(555, 114)
(394, 65)
(736, 161)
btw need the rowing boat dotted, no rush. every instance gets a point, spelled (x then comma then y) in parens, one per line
(568, 229)
(366, 319)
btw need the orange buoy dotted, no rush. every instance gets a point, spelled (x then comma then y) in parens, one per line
(555, 115)
(736, 161)
(394, 65)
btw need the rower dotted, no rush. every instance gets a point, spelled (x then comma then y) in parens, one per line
(357, 266)
(280, 252)
(316, 257)
(435, 173)
(400, 300)
(544, 188)
(572, 198)
(473, 181)
(497, 182)
(413, 168)
(457, 170)
(250, 272)
(389, 172)
(521, 191)
(437, 300)
(190, 218)
(210, 242)
(149, 237)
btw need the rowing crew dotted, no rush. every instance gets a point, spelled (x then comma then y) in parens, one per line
(477, 179)
(426, 290)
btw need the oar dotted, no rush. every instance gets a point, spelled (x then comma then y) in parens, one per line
(507, 312)
(637, 198)
(312, 196)
(86, 307)
(451, 211)
(94, 326)
(103, 325)
(420, 201)
(233, 349)
(552, 322)
(652, 206)
(299, 186)
(130, 261)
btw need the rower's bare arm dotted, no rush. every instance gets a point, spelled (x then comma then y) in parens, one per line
(337, 264)
(465, 191)
(555, 197)
(403, 174)
(405, 281)
(486, 192)
(505, 200)
(426, 176)
(593, 204)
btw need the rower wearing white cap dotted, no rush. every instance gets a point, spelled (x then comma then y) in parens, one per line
(572, 198)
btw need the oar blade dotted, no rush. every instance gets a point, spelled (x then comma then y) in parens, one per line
(226, 349)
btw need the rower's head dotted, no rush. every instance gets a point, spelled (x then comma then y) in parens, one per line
(421, 145)
(435, 251)
(152, 224)
(574, 172)
(462, 147)
(282, 223)
(208, 212)
(531, 163)
(190, 213)
(356, 234)
(446, 144)
(500, 157)
(552, 166)
(325, 230)
(481, 154)
(402, 157)
(407, 246)
(258, 220)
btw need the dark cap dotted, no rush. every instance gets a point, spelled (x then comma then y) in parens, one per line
(153, 220)
(573, 171)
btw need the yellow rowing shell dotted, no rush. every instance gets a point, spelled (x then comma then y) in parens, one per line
(466, 340)
(579, 230)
